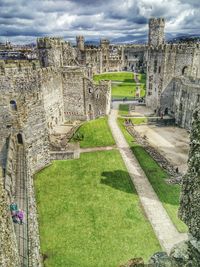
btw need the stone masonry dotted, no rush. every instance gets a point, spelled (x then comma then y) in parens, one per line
(35, 98)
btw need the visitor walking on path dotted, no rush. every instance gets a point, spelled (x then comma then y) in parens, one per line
(17, 214)
(20, 215)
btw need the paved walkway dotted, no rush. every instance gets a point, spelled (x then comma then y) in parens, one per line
(21, 200)
(163, 227)
(93, 149)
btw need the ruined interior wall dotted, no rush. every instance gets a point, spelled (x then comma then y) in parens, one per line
(52, 97)
(181, 97)
(73, 93)
(93, 59)
(97, 98)
(69, 55)
(155, 76)
(195, 72)
(135, 57)
(172, 61)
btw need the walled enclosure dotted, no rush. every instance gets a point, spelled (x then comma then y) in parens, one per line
(38, 96)
(34, 101)
(166, 62)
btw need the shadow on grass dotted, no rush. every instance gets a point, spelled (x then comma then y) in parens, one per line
(119, 180)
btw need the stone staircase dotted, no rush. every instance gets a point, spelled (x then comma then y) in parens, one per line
(21, 200)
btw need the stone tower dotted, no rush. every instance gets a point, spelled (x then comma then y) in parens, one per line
(104, 44)
(156, 31)
(50, 51)
(80, 42)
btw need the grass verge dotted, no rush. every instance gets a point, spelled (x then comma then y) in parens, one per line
(168, 194)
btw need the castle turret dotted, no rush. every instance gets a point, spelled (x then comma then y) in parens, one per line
(156, 31)
(50, 51)
(104, 44)
(80, 42)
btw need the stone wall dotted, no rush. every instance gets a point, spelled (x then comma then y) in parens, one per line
(165, 63)
(50, 51)
(180, 98)
(135, 58)
(97, 98)
(91, 100)
(52, 97)
(73, 93)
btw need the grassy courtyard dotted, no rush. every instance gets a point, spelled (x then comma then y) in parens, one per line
(94, 133)
(167, 193)
(89, 213)
(123, 109)
(123, 84)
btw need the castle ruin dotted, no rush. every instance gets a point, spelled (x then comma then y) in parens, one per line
(38, 96)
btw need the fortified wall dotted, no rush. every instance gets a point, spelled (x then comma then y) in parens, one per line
(180, 98)
(166, 62)
(35, 98)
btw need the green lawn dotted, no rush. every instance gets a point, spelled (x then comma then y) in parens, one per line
(168, 194)
(139, 120)
(123, 90)
(90, 214)
(115, 76)
(142, 78)
(94, 133)
(126, 86)
(123, 109)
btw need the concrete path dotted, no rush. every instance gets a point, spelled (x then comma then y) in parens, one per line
(21, 200)
(163, 227)
(93, 149)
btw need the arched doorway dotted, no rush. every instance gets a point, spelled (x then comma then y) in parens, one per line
(19, 138)
(185, 71)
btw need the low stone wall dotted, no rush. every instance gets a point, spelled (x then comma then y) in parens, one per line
(161, 160)
(71, 152)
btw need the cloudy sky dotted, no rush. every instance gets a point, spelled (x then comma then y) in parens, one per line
(22, 21)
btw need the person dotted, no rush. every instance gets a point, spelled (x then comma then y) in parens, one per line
(13, 208)
(20, 215)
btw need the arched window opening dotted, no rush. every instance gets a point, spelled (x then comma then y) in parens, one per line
(90, 107)
(34, 66)
(185, 70)
(43, 62)
(166, 111)
(19, 138)
(13, 105)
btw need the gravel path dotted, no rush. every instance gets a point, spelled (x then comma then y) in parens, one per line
(164, 229)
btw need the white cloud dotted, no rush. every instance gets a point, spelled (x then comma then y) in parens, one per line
(23, 21)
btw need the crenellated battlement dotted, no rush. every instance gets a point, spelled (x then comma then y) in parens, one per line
(49, 42)
(154, 22)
